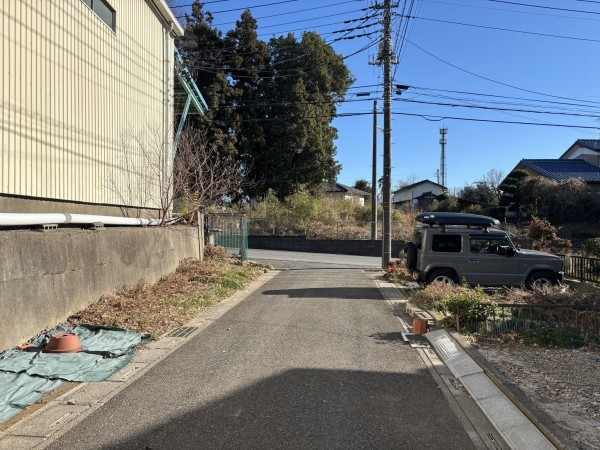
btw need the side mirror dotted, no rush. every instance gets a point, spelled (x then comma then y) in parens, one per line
(510, 252)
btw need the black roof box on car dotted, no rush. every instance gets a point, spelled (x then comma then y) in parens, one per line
(451, 218)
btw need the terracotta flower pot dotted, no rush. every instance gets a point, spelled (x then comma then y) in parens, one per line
(63, 342)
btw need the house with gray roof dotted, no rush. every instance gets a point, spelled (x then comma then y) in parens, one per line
(420, 195)
(581, 160)
(561, 169)
(340, 191)
(584, 149)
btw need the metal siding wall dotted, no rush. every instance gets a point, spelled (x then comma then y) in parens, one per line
(72, 91)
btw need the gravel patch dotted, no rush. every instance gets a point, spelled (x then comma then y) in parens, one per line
(565, 384)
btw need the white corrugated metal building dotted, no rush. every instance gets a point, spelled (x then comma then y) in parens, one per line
(87, 104)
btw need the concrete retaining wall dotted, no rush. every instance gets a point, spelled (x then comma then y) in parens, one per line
(335, 246)
(47, 276)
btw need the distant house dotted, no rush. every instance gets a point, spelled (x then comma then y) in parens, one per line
(419, 195)
(342, 192)
(562, 169)
(584, 149)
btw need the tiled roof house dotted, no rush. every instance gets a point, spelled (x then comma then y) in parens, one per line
(581, 160)
(342, 192)
(419, 195)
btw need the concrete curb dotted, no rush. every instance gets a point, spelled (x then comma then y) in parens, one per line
(533, 412)
(514, 427)
(537, 416)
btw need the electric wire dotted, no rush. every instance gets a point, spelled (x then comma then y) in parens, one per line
(545, 7)
(496, 81)
(509, 30)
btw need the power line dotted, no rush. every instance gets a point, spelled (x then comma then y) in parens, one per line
(583, 105)
(514, 11)
(487, 27)
(490, 108)
(544, 7)
(287, 13)
(496, 81)
(433, 118)
(244, 8)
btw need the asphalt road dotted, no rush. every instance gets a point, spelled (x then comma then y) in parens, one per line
(311, 359)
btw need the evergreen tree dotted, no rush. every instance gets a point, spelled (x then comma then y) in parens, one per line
(204, 50)
(250, 72)
(362, 185)
(308, 79)
(269, 104)
(512, 189)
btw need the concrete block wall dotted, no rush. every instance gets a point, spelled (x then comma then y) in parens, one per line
(356, 247)
(47, 276)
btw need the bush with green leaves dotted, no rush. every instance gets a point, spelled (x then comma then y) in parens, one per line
(553, 336)
(467, 306)
(591, 247)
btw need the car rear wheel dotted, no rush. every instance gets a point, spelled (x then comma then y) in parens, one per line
(541, 279)
(443, 276)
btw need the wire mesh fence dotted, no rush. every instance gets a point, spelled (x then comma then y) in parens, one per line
(513, 318)
(229, 231)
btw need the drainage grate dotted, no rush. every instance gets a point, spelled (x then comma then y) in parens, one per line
(183, 332)
(495, 443)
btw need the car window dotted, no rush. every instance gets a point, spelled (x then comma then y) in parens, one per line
(497, 245)
(446, 243)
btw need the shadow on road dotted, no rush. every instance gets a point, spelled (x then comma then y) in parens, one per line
(353, 293)
(313, 408)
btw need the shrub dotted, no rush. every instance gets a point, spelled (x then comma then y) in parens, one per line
(544, 236)
(591, 247)
(467, 306)
(553, 336)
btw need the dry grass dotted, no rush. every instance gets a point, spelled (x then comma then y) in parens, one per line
(175, 299)
(432, 294)
(558, 294)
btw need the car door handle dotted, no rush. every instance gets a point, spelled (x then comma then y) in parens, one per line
(473, 260)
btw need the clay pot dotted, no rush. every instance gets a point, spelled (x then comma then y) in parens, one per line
(63, 342)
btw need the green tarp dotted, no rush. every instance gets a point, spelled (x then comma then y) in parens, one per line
(25, 376)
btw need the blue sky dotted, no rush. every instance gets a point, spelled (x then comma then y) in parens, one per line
(458, 52)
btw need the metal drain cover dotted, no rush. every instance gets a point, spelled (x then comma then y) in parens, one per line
(182, 332)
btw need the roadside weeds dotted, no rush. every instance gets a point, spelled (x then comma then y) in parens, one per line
(175, 299)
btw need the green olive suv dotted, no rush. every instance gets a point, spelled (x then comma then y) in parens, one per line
(463, 248)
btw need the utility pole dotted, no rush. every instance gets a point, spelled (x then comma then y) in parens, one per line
(374, 178)
(386, 56)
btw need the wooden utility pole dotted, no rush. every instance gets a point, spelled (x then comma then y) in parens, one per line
(386, 57)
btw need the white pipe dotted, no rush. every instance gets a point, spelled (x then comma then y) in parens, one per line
(24, 219)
